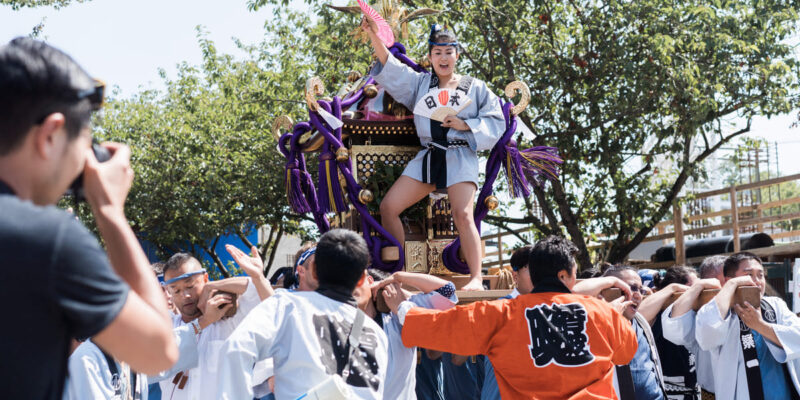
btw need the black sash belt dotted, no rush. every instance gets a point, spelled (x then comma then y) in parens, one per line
(434, 162)
(625, 382)
(755, 386)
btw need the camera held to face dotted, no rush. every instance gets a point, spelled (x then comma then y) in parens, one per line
(76, 188)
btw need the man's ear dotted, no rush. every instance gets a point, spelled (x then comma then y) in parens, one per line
(205, 277)
(45, 135)
(364, 276)
(563, 275)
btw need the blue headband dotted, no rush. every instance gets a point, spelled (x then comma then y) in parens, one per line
(436, 28)
(305, 256)
(184, 276)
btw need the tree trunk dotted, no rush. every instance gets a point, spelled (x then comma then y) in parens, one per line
(274, 249)
(571, 223)
(217, 261)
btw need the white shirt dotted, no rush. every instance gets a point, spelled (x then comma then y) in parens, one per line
(720, 336)
(680, 330)
(203, 374)
(304, 333)
(90, 376)
(401, 375)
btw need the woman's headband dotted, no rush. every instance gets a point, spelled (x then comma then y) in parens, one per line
(435, 28)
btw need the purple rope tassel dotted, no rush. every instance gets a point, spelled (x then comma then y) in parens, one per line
(530, 167)
(300, 191)
(329, 191)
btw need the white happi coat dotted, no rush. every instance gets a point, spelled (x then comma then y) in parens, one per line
(297, 331)
(680, 330)
(720, 336)
(401, 375)
(200, 355)
(484, 116)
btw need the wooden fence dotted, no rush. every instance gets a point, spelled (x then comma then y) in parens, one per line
(738, 217)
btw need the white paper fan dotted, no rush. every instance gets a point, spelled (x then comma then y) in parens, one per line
(441, 103)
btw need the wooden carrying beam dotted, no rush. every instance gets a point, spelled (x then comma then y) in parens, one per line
(751, 294)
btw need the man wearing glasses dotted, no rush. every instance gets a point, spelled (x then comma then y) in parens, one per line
(645, 368)
(58, 283)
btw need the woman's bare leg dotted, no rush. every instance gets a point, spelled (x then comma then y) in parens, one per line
(461, 197)
(403, 194)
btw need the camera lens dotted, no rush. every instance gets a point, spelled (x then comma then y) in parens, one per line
(76, 189)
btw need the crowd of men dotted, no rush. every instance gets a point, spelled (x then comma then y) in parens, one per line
(89, 323)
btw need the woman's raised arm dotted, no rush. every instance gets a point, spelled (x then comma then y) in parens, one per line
(371, 28)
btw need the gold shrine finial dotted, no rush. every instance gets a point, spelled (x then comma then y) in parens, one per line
(518, 87)
(314, 88)
(285, 122)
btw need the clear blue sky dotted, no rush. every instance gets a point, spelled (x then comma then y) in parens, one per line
(125, 42)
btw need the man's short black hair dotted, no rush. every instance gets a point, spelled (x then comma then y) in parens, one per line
(618, 269)
(520, 257)
(733, 261)
(711, 266)
(341, 258)
(589, 273)
(377, 274)
(549, 256)
(37, 80)
(177, 260)
(675, 274)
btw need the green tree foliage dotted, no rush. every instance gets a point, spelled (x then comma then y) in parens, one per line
(18, 4)
(617, 86)
(204, 156)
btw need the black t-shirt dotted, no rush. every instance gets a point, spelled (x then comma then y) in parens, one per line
(56, 283)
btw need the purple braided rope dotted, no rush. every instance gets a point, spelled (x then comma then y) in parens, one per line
(333, 141)
(304, 187)
(399, 52)
(329, 190)
(498, 153)
(357, 96)
(368, 223)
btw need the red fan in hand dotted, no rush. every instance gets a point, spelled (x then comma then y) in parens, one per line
(384, 30)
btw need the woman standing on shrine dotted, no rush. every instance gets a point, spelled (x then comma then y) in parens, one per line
(449, 158)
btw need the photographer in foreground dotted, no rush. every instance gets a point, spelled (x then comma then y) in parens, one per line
(57, 281)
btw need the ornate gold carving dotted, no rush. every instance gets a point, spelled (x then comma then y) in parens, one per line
(283, 121)
(353, 76)
(518, 87)
(435, 263)
(416, 257)
(362, 155)
(314, 88)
